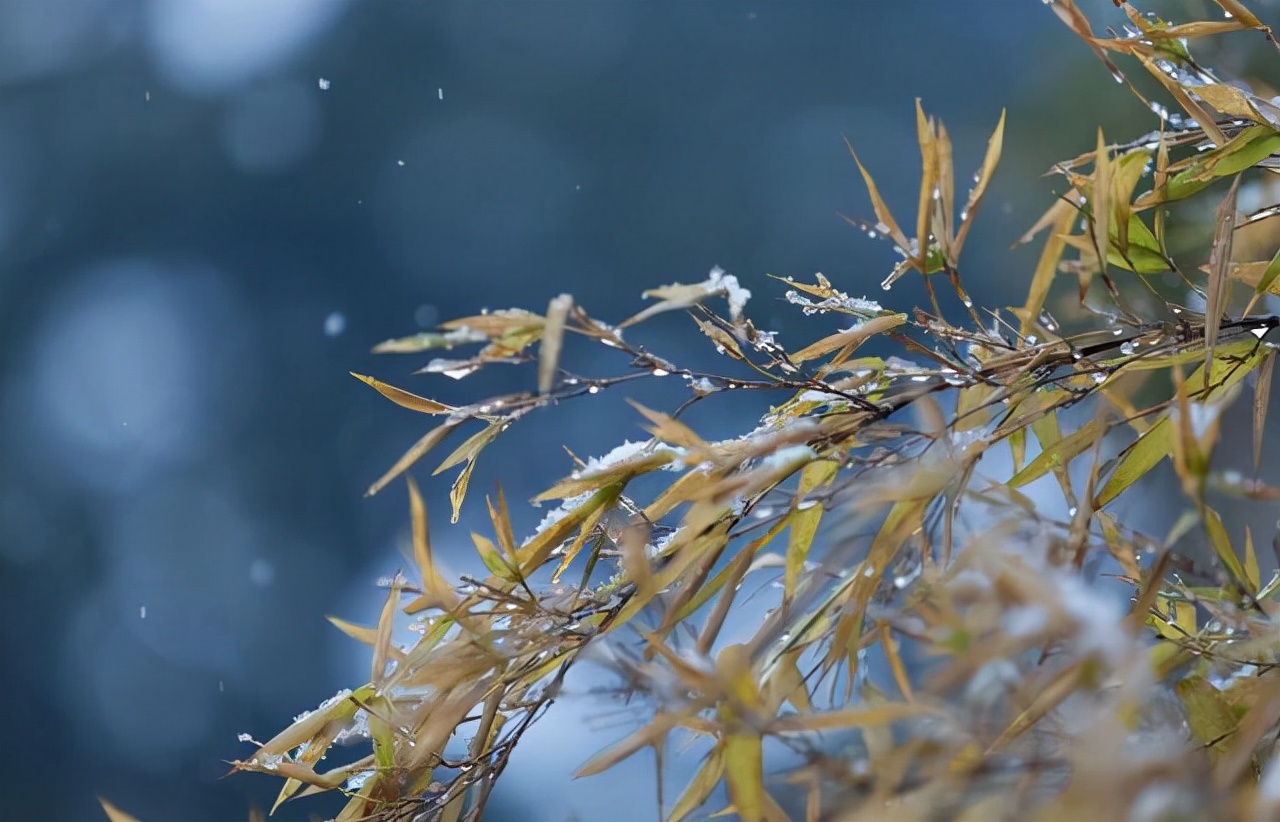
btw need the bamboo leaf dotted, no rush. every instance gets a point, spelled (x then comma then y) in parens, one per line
(1223, 549)
(364, 634)
(382, 636)
(1100, 201)
(1251, 571)
(926, 135)
(704, 781)
(404, 398)
(1268, 275)
(1261, 399)
(647, 736)
(668, 429)
(1249, 147)
(471, 447)
(115, 814)
(1211, 718)
(1059, 218)
(435, 591)
(1060, 453)
(552, 340)
(850, 337)
(420, 448)
(890, 225)
(804, 521)
(994, 146)
(849, 718)
(744, 774)
(1217, 294)
(458, 490)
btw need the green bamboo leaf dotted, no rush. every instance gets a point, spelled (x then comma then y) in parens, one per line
(1249, 147)
(1269, 275)
(1231, 364)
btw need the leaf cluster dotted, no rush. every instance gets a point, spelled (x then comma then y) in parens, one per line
(1010, 685)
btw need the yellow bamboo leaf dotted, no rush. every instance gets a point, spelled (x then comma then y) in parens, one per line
(994, 146)
(704, 781)
(848, 718)
(420, 448)
(115, 814)
(362, 633)
(877, 203)
(850, 337)
(1058, 455)
(744, 774)
(404, 398)
(652, 734)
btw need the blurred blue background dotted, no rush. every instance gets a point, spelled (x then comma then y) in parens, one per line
(210, 210)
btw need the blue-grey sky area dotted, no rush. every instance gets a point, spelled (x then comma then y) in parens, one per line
(210, 212)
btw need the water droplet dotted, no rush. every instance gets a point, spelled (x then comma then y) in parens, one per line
(1116, 332)
(595, 389)
(142, 612)
(323, 83)
(335, 324)
(1099, 377)
(1128, 348)
(660, 372)
(440, 93)
(400, 163)
(1071, 512)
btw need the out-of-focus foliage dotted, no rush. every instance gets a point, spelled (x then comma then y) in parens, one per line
(1017, 689)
